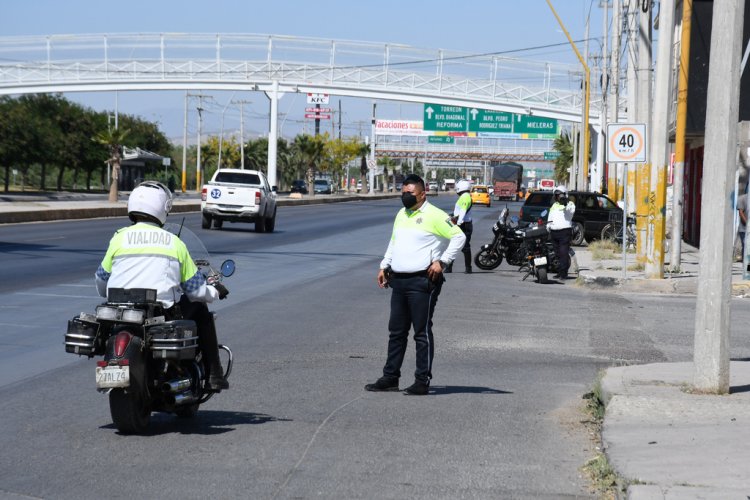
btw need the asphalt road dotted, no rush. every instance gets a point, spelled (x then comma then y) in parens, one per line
(307, 324)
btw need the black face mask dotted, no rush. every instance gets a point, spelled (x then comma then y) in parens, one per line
(408, 199)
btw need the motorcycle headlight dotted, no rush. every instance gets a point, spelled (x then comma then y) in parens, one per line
(132, 315)
(106, 313)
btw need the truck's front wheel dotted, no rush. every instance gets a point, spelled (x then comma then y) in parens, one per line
(206, 221)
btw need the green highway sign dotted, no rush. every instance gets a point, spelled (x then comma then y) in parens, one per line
(482, 120)
(551, 155)
(442, 118)
(441, 139)
(527, 124)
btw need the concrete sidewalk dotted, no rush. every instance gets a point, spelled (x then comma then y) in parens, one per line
(662, 441)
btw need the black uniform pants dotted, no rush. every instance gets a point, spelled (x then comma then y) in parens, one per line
(412, 304)
(561, 243)
(467, 228)
(207, 339)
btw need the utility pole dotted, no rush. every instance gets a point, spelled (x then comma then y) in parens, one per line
(712, 315)
(613, 187)
(339, 119)
(242, 130)
(679, 152)
(601, 153)
(657, 206)
(242, 135)
(586, 89)
(371, 180)
(184, 146)
(643, 76)
(198, 146)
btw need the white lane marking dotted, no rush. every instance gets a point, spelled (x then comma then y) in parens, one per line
(57, 295)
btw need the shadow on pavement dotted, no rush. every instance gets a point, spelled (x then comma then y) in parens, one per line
(204, 423)
(440, 390)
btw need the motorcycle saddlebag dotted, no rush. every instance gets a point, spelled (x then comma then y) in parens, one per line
(174, 340)
(81, 337)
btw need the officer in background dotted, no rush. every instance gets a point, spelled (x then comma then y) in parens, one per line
(560, 223)
(462, 218)
(423, 243)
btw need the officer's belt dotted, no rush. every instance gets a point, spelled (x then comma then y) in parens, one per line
(410, 275)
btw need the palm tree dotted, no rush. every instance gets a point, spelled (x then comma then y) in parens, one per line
(113, 140)
(310, 150)
(364, 152)
(564, 162)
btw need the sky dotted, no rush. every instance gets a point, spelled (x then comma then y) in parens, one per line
(479, 26)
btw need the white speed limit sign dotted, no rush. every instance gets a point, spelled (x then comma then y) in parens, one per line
(626, 142)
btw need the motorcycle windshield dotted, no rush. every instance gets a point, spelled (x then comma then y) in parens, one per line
(194, 245)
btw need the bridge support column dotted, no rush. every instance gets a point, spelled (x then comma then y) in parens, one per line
(274, 96)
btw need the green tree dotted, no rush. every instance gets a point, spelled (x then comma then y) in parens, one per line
(256, 154)
(230, 155)
(338, 153)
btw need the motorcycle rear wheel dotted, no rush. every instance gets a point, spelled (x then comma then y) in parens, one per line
(541, 274)
(129, 410)
(487, 260)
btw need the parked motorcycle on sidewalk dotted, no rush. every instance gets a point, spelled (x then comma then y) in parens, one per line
(506, 243)
(541, 259)
(151, 359)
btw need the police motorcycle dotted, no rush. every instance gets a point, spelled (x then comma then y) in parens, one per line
(507, 242)
(151, 359)
(540, 258)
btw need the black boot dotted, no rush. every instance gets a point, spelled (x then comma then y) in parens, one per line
(216, 381)
(467, 261)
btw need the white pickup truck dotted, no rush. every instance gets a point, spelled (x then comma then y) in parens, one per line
(236, 195)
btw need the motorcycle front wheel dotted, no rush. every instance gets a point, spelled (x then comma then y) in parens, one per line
(129, 410)
(488, 260)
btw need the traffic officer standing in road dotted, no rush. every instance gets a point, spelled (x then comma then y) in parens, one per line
(560, 223)
(462, 218)
(423, 243)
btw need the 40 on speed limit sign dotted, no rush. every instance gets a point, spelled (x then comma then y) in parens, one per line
(626, 142)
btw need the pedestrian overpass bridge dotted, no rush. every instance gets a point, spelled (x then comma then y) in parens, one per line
(282, 64)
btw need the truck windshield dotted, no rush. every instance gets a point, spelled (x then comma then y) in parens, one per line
(237, 178)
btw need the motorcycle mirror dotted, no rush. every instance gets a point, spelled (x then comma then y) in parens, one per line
(543, 214)
(227, 268)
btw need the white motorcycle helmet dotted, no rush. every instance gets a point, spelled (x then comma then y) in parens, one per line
(462, 186)
(561, 190)
(150, 198)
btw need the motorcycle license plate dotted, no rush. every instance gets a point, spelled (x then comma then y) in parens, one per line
(112, 376)
(540, 261)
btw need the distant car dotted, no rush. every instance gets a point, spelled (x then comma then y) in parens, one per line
(299, 186)
(593, 212)
(480, 195)
(432, 186)
(322, 186)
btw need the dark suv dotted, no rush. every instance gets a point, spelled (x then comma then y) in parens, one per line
(299, 186)
(593, 212)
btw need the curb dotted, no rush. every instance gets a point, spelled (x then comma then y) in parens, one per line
(120, 210)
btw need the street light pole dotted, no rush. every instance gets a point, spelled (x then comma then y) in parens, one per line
(586, 98)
